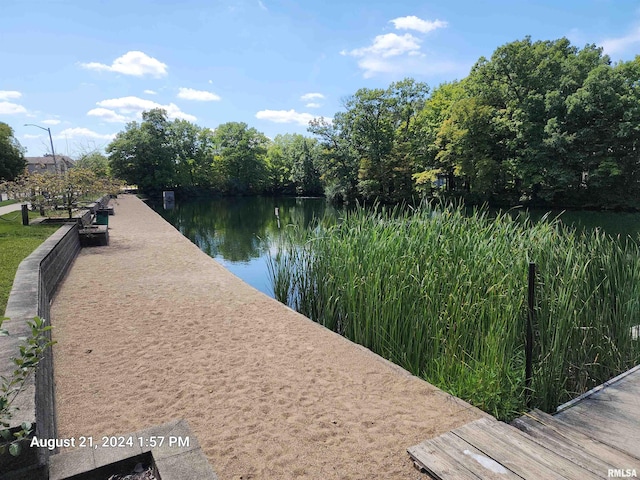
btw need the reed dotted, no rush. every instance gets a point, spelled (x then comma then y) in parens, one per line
(442, 292)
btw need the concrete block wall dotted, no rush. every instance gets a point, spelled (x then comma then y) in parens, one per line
(35, 283)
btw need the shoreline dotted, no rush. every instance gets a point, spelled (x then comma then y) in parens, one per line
(151, 329)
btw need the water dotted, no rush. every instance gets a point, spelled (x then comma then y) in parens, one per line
(239, 231)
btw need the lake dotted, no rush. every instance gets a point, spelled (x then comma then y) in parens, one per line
(239, 231)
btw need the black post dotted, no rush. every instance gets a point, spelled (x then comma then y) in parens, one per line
(528, 346)
(25, 214)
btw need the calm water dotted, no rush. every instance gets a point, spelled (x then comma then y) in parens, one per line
(238, 232)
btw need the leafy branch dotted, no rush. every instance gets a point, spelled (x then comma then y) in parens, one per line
(31, 351)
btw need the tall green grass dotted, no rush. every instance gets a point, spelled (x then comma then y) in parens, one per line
(442, 293)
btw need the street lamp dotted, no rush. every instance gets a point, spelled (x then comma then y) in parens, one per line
(53, 153)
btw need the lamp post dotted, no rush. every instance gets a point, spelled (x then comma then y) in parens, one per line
(53, 153)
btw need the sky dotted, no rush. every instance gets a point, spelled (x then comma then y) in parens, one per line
(85, 68)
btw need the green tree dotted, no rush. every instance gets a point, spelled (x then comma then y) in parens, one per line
(95, 161)
(338, 163)
(374, 138)
(466, 147)
(527, 83)
(193, 149)
(602, 133)
(143, 154)
(426, 126)
(293, 162)
(239, 161)
(12, 162)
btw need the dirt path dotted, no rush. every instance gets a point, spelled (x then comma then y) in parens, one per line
(151, 329)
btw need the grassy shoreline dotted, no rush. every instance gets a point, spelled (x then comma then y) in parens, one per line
(443, 294)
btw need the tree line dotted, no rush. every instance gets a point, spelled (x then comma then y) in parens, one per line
(538, 123)
(233, 159)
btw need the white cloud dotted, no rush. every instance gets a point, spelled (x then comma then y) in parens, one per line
(311, 96)
(51, 121)
(414, 23)
(313, 105)
(261, 5)
(150, 92)
(80, 132)
(198, 95)
(388, 45)
(285, 116)
(9, 94)
(30, 136)
(8, 108)
(132, 107)
(396, 54)
(108, 115)
(133, 63)
(612, 46)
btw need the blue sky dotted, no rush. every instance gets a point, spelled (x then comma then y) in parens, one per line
(86, 67)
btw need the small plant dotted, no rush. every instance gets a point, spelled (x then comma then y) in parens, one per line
(30, 353)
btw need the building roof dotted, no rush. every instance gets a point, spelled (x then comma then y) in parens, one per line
(48, 160)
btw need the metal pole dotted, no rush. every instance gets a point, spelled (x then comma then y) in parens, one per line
(528, 346)
(53, 153)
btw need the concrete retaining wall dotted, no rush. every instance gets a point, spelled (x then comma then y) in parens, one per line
(35, 283)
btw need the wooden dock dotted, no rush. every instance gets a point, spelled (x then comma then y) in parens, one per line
(593, 437)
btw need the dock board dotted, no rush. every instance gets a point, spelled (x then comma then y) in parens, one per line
(593, 436)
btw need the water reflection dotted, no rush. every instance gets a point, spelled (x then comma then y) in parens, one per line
(238, 231)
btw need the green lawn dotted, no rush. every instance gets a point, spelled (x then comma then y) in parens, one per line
(8, 202)
(16, 243)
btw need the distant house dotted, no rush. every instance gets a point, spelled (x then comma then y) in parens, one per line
(46, 165)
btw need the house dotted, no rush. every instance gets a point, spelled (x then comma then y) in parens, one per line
(46, 164)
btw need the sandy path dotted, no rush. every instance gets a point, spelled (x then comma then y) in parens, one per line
(151, 329)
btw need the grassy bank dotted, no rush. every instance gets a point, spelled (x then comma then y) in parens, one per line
(443, 294)
(16, 243)
(8, 202)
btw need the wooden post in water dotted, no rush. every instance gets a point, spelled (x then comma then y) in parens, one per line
(528, 345)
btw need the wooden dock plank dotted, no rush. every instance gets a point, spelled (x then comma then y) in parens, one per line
(473, 459)
(588, 437)
(438, 464)
(609, 425)
(518, 453)
(589, 454)
(607, 453)
(449, 457)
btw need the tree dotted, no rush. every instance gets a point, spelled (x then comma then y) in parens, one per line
(603, 134)
(338, 163)
(94, 161)
(12, 162)
(373, 141)
(193, 149)
(466, 147)
(527, 83)
(293, 163)
(143, 155)
(239, 161)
